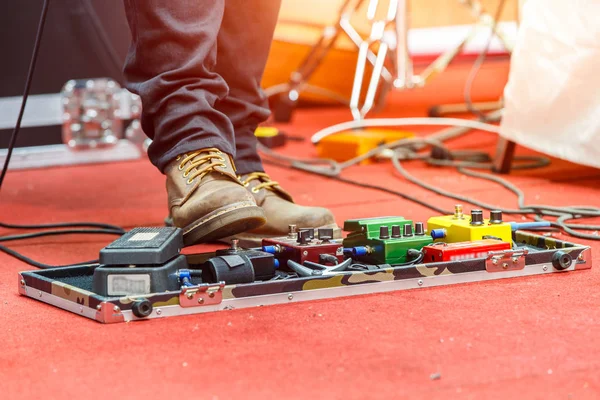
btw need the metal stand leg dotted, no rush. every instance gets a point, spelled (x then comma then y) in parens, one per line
(444, 109)
(483, 19)
(376, 37)
(505, 152)
(287, 101)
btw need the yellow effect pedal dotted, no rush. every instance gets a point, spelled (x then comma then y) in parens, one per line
(350, 144)
(460, 228)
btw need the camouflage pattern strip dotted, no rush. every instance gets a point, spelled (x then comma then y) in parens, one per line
(353, 278)
(545, 256)
(71, 293)
(48, 281)
(541, 242)
(548, 247)
(36, 281)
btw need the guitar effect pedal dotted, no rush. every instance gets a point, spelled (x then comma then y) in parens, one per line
(314, 245)
(461, 251)
(460, 228)
(384, 240)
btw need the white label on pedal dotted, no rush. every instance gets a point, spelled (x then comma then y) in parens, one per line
(118, 285)
(143, 236)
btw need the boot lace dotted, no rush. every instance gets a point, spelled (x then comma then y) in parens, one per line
(199, 163)
(265, 181)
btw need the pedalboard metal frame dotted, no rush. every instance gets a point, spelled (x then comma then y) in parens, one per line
(534, 255)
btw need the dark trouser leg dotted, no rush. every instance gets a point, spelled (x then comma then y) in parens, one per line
(242, 50)
(171, 65)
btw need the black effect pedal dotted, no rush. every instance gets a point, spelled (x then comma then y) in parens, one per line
(142, 261)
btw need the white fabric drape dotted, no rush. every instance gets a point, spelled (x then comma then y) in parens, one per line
(552, 99)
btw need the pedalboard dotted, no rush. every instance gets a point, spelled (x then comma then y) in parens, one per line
(143, 274)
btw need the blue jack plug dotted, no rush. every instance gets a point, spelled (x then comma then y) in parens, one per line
(359, 250)
(438, 233)
(185, 277)
(270, 249)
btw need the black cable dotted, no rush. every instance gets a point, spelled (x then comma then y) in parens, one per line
(397, 193)
(561, 212)
(334, 169)
(63, 225)
(36, 48)
(37, 264)
(363, 185)
(405, 149)
(477, 66)
(61, 232)
(564, 213)
(104, 228)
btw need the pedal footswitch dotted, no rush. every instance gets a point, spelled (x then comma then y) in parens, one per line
(143, 246)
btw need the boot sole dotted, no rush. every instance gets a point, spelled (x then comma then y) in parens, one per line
(224, 222)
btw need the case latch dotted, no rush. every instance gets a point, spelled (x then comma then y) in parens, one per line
(205, 294)
(507, 260)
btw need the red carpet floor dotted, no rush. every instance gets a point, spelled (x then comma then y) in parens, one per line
(536, 337)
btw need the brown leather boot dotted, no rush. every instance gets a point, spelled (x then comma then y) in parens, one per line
(207, 200)
(280, 210)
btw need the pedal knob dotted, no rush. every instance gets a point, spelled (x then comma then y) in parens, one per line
(408, 230)
(384, 232)
(325, 234)
(304, 237)
(396, 231)
(419, 229)
(476, 217)
(496, 217)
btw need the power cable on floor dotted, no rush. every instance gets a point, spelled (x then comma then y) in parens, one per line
(103, 228)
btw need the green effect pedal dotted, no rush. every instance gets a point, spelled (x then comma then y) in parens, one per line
(384, 240)
(370, 226)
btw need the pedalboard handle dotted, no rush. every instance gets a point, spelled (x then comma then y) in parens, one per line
(507, 260)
